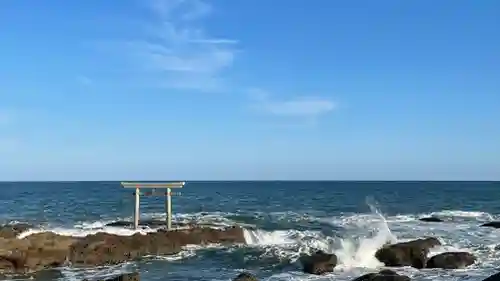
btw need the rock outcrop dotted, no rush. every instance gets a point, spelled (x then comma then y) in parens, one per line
(245, 276)
(318, 263)
(494, 224)
(451, 260)
(47, 250)
(430, 219)
(12, 230)
(494, 277)
(383, 275)
(412, 253)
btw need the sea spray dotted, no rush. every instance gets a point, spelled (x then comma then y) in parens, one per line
(360, 251)
(354, 249)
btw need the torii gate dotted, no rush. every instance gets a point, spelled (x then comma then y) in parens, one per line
(153, 185)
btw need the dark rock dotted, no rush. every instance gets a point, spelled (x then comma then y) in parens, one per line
(494, 224)
(106, 249)
(430, 219)
(122, 277)
(412, 253)
(48, 250)
(142, 224)
(245, 276)
(494, 277)
(318, 263)
(10, 231)
(383, 275)
(48, 274)
(451, 260)
(33, 253)
(388, 272)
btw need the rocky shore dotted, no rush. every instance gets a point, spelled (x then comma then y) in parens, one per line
(40, 252)
(46, 250)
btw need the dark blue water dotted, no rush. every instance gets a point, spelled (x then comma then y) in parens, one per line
(306, 213)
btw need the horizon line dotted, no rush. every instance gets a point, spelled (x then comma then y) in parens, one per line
(228, 181)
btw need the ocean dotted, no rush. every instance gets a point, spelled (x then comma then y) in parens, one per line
(283, 220)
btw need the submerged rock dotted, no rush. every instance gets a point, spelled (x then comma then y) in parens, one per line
(47, 250)
(494, 277)
(431, 219)
(318, 263)
(122, 277)
(383, 275)
(245, 276)
(451, 260)
(412, 253)
(494, 224)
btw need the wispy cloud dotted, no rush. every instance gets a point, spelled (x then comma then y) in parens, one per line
(178, 51)
(299, 106)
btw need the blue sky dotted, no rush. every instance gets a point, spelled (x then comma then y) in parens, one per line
(224, 89)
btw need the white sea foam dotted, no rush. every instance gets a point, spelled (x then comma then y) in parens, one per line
(82, 229)
(356, 250)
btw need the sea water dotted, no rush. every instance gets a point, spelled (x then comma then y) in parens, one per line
(282, 220)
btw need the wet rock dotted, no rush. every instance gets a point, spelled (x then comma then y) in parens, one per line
(122, 277)
(106, 249)
(494, 277)
(451, 260)
(35, 252)
(431, 219)
(10, 231)
(48, 250)
(318, 263)
(494, 224)
(383, 275)
(245, 276)
(412, 253)
(142, 224)
(50, 274)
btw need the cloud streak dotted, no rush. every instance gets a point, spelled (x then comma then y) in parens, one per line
(302, 106)
(178, 51)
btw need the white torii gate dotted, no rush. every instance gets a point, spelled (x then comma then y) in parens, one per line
(153, 185)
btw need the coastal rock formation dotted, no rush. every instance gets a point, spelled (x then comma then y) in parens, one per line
(494, 277)
(412, 253)
(245, 276)
(318, 263)
(431, 219)
(451, 260)
(494, 224)
(383, 275)
(12, 230)
(122, 277)
(47, 250)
